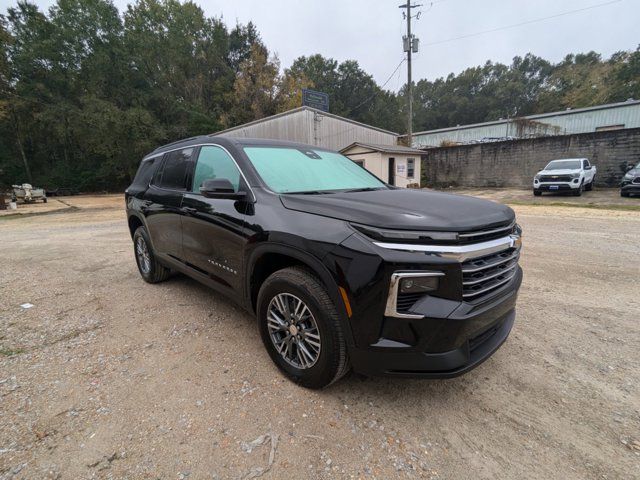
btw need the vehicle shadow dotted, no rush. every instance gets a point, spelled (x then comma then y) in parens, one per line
(403, 391)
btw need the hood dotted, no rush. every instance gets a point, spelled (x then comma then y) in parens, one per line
(404, 209)
(564, 171)
(634, 171)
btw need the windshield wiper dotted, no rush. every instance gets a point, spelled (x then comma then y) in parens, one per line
(364, 189)
(309, 192)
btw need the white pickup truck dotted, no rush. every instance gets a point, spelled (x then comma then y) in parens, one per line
(567, 175)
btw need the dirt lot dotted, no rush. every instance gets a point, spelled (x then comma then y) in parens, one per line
(608, 198)
(109, 377)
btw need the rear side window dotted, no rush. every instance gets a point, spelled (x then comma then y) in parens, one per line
(176, 167)
(214, 162)
(145, 172)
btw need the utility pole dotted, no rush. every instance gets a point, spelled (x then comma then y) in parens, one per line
(410, 44)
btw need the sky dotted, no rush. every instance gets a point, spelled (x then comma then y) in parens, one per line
(370, 31)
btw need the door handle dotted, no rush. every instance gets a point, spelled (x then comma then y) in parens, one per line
(189, 210)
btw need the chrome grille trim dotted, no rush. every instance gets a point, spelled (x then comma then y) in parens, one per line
(484, 275)
(491, 287)
(515, 255)
(480, 233)
(458, 252)
(490, 276)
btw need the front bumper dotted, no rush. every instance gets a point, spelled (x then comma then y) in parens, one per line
(629, 187)
(556, 187)
(449, 340)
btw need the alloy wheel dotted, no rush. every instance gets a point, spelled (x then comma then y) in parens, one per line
(142, 252)
(293, 331)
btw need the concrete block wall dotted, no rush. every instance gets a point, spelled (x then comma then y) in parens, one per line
(514, 163)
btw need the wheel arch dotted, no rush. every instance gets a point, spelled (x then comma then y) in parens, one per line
(134, 222)
(269, 258)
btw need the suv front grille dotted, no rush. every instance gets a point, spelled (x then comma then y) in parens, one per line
(484, 275)
(555, 178)
(476, 236)
(636, 180)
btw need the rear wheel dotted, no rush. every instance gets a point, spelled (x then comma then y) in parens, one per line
(150, 269)
(300, 328)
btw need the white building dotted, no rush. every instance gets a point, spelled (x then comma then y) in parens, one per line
(394, 164)
(313, 127)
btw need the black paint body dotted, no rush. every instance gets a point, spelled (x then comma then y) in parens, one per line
(232, 245)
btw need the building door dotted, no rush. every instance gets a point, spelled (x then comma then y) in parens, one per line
(392, 171)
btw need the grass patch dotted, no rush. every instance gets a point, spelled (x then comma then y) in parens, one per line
(593, 206)
(10, 352)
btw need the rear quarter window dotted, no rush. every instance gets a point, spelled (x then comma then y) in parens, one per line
(175, 169)
(145, 172)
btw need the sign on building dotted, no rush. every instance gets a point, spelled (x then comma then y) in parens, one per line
(313, 99)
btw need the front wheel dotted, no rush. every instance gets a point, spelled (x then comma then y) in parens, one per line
(589, 186)
(300, 328)
(578, 191)
(537, 193)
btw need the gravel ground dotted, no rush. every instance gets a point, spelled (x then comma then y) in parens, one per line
(599, 197)
(109, 377)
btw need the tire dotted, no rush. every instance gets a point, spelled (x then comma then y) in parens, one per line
(153, 271)
(328, 361)
(578, 191)
(589, 185)
(537, 193)
(44, 200)
(624, 194)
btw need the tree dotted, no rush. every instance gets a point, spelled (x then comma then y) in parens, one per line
(86, 91)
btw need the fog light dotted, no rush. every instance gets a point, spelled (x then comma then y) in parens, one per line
(418, 284)
(576, 180)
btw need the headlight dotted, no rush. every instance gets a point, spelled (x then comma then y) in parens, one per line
(517, 230)
(629, 176)
(536, 178)
(575, 175)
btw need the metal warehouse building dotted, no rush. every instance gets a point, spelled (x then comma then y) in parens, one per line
(314, 127)
(613, 116)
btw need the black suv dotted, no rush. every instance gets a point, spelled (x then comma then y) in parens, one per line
(342, 270)
(631, 182)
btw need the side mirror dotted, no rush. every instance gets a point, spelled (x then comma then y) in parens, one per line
(220, 188)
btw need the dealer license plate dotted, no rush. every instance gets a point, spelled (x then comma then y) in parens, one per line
(553, 187)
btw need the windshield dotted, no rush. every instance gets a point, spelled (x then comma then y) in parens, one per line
(563, 165)
(292, 170)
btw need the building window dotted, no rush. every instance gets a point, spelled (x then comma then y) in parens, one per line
(359, 162)
(411, 167)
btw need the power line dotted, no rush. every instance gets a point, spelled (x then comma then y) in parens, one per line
(522, 23)
(377, 91)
